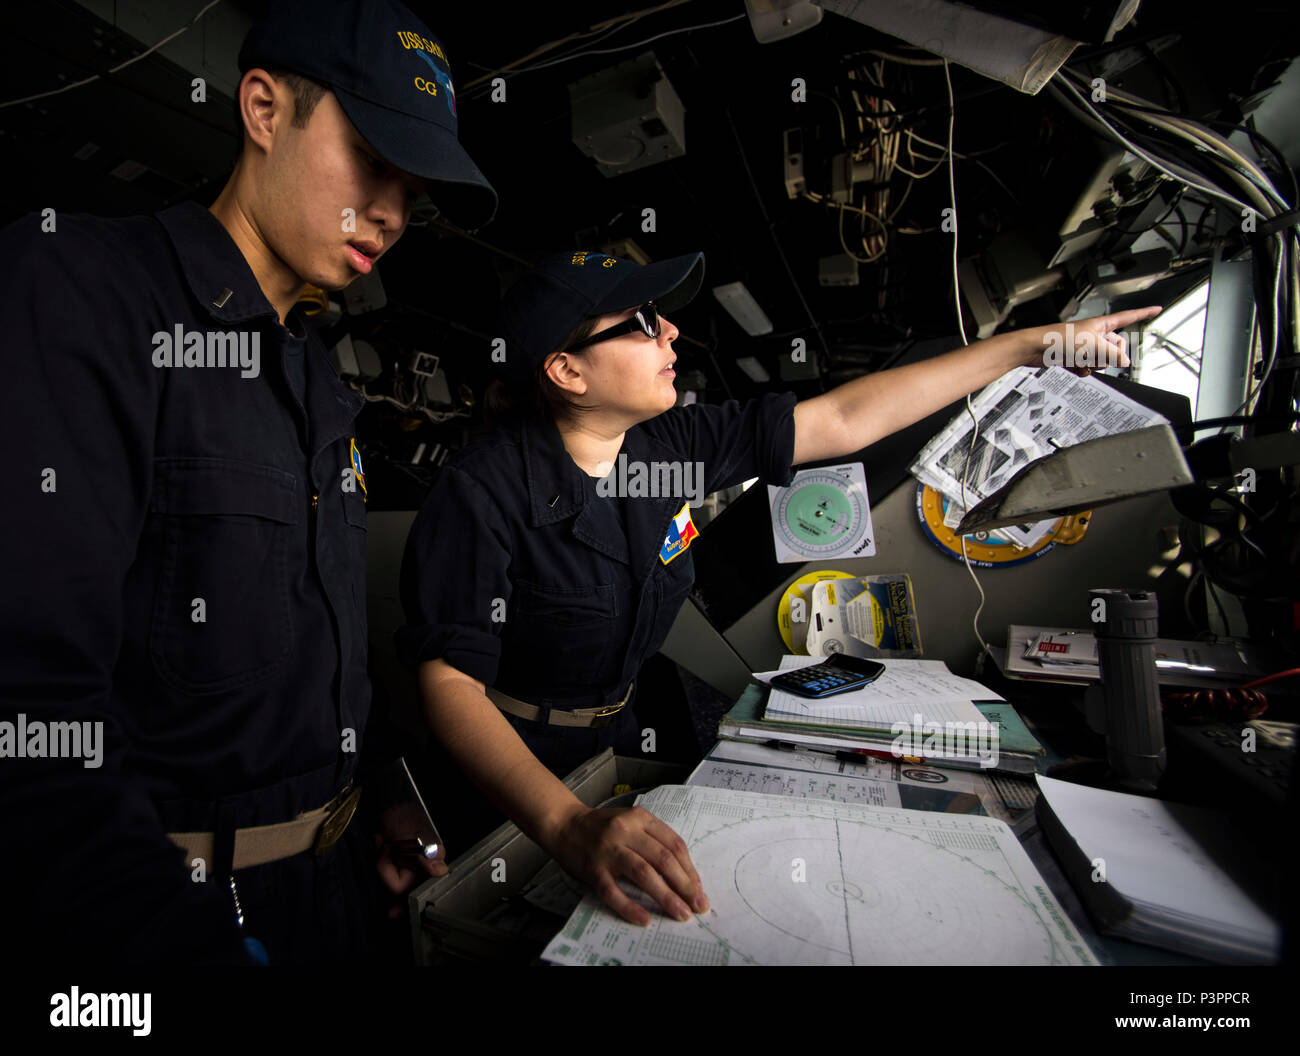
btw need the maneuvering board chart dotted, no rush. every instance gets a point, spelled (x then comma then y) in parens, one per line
(806, 881)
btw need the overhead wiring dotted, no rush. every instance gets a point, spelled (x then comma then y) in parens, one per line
(609, 24)
(1242, 184)
(115, 69)
(483, 81)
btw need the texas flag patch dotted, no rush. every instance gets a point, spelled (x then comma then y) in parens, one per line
(681, 533)
(357, 471)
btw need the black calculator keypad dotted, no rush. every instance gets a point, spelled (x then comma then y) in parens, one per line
(820, 681)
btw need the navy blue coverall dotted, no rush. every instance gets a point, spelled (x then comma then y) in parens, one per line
(519, 573)
(186, 566)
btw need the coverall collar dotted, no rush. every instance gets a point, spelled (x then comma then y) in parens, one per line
(214, 268)
(224, 286)
(558, 489)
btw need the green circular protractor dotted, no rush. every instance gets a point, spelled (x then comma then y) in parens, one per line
(819, 513)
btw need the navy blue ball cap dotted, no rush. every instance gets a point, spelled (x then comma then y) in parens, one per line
(391, 78)
(548, 303)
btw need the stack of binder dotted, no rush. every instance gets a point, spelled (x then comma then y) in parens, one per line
(920, 730)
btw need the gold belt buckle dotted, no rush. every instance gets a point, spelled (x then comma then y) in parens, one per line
(341, 809)
(602, 717)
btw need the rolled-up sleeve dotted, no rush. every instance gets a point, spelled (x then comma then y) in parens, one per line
(455, 582)
(734, 442)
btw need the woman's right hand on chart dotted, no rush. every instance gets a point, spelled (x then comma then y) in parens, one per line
(601, 846)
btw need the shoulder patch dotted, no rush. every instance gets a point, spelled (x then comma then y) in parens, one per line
(356, 466)
(681, 533)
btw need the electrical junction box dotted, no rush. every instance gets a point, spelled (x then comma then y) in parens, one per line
(628, 116)
(838, 270)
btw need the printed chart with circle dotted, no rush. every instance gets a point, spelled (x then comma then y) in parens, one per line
(823, 514)
(853, 896)
(805, 881)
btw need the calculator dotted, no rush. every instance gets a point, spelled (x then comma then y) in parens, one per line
(837, 675)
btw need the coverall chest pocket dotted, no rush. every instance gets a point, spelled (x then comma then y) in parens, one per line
(674, 581)
(565, 632)
(221, 615)
(672, 585)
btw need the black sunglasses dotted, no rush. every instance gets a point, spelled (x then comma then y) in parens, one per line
(645, 319)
